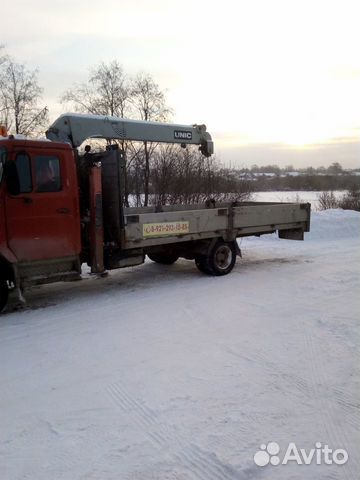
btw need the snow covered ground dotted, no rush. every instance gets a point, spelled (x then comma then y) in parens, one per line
(163, 373)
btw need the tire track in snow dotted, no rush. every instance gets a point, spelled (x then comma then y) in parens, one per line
(313, 388)
(274, 370)
(351, 409)
(204, 465)
(333, 431)
(145, 419)
(161, 437)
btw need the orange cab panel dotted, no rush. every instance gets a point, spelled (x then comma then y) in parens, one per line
(43, 221)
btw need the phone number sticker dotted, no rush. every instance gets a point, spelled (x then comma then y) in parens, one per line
(165, 228)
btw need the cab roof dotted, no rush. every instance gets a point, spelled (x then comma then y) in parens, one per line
(23, 142)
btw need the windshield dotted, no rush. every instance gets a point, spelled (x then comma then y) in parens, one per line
(2, 160)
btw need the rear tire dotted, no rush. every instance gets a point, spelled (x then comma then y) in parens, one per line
(203, 265)
(4, 294)
(163, 258)
(219, 261)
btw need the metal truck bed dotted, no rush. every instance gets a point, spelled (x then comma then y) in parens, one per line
(147, 227)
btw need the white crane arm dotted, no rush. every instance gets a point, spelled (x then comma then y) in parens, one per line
(76, 128)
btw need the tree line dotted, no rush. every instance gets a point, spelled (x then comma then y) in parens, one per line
(306, 182)
(154, 173)
(334, 169)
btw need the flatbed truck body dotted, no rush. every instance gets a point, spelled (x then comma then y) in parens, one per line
(146, 227)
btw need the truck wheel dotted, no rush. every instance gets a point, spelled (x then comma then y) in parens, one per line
(4, 293)
(163, 258)
(203, 265)
(220, 260)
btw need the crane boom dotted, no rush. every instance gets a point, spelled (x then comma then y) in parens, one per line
(76, 128)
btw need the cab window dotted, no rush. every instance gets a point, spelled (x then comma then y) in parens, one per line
(23, 166)
(47, 173)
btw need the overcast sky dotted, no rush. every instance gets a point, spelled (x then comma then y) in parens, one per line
(275, 81)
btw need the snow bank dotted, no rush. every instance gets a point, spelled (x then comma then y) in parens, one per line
(335, 224)
(328, 225)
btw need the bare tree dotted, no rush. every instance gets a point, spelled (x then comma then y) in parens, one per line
(351, 199)
(149, 104)
(2, 56)
(148, 100)
(163, 173)
(335, 169)
(107, 92)
(185, 176)
(327, 200)
(3, 109)
(20, 95)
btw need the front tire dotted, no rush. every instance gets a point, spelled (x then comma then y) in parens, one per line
(4, 294)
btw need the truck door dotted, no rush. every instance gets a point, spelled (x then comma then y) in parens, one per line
(43, 220)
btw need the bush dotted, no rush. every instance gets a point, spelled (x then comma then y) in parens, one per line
(185, 176)
(349, 201)
(327, 200)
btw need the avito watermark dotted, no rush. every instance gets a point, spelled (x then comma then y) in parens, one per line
(319, 455)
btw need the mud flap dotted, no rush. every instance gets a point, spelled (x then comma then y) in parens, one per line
(238, 249)
(292, 234)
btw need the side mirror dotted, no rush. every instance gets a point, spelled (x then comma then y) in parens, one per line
(11, 177)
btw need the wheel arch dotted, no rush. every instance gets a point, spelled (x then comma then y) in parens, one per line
(215, 240)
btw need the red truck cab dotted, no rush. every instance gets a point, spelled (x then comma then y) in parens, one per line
(39, 212)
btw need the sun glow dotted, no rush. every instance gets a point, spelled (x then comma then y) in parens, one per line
(278, 79)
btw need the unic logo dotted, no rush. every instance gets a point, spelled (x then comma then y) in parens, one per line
(183, 134)
(270, 454)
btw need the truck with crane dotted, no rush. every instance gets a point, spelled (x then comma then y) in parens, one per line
(59, 209)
